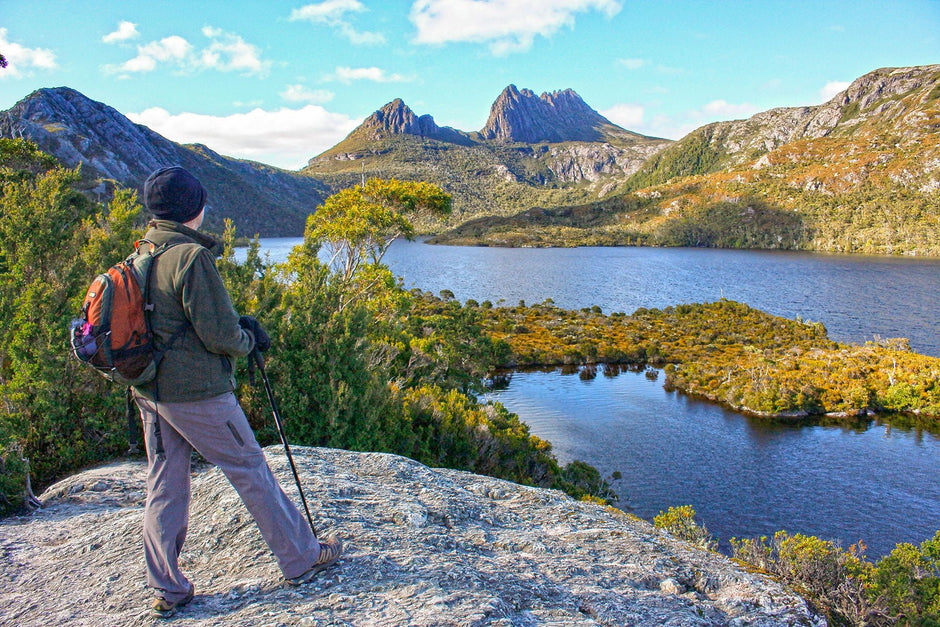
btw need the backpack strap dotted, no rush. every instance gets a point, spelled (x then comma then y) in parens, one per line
(155, 252)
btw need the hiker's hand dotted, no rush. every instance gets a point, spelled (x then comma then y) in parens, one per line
(249, 323)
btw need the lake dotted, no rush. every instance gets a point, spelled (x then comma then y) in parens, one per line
(745, 477)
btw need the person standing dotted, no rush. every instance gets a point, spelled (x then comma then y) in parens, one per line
(191, 403)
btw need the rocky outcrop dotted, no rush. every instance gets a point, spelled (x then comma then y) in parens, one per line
(112, 150)
(898, 99)
(560, 116)
(424, 547)
(573, 163)
(397, 118)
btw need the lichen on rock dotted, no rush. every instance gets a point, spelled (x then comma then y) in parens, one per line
(423, 547)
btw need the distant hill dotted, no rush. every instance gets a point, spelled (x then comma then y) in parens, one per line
(550, 150)
(860, 173)
(112, 151)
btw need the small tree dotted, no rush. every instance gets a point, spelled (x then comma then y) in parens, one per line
(358, 224)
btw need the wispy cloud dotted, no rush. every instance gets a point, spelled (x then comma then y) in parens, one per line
(300, 93)
(375, 74)
(722, 110)
(505, 25)
(225, 52)
(125, 30)
(631, 64)
(333, 14)
(832, 88)
(634, 117)
(285, 138)
(22, 60)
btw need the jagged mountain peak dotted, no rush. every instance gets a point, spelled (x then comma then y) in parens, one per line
(558, 116)
(397, 118)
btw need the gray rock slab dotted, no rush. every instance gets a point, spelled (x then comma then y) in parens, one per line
(423, 547)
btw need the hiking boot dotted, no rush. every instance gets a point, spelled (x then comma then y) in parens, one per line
(330, 551)
(162, 608)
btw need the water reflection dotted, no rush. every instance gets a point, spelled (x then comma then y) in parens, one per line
(746, 477)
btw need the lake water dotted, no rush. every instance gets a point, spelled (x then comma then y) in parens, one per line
(744, 477)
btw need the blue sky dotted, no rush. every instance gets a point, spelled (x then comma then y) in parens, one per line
(280, 82)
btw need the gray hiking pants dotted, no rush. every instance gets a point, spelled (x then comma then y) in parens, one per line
(218, 429)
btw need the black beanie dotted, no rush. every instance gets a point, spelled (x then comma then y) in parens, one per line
(174, 194)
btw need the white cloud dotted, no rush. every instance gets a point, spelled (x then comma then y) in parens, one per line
(719, 109)
(286, 138)
(230, 53)
(299, 93)
(328, 12)
(226, 52)
(21, 60)
(125, 30)
(172, 50)
(832, 88)
(631, 64)
(506, 25)
(349, 74)
(629, 116)
(677, 126)
(332, 13)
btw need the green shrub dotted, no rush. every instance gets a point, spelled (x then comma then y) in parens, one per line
(680, 522)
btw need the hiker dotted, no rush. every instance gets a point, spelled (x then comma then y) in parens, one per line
(191, 403)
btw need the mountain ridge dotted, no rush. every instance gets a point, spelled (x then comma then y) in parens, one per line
(112, 150)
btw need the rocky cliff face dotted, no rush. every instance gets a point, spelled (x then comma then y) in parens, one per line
(560, 116)
(397, 118)
(424, 547)
(574, 163)
(112, 149)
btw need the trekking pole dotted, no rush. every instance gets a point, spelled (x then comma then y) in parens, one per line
(259, 360)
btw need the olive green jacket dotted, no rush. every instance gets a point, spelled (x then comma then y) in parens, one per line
(186, 287)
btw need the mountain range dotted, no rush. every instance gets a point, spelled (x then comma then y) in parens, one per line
(860, 173)
(549, 150)
(113, 151)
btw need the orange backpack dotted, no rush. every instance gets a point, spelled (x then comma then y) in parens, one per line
(114, 333)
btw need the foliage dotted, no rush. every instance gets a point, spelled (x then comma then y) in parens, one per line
(680, 522)
(903, 588)
(358, 224)
(908, 582)
(696, 153)
(734, 355)
(52, 241)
